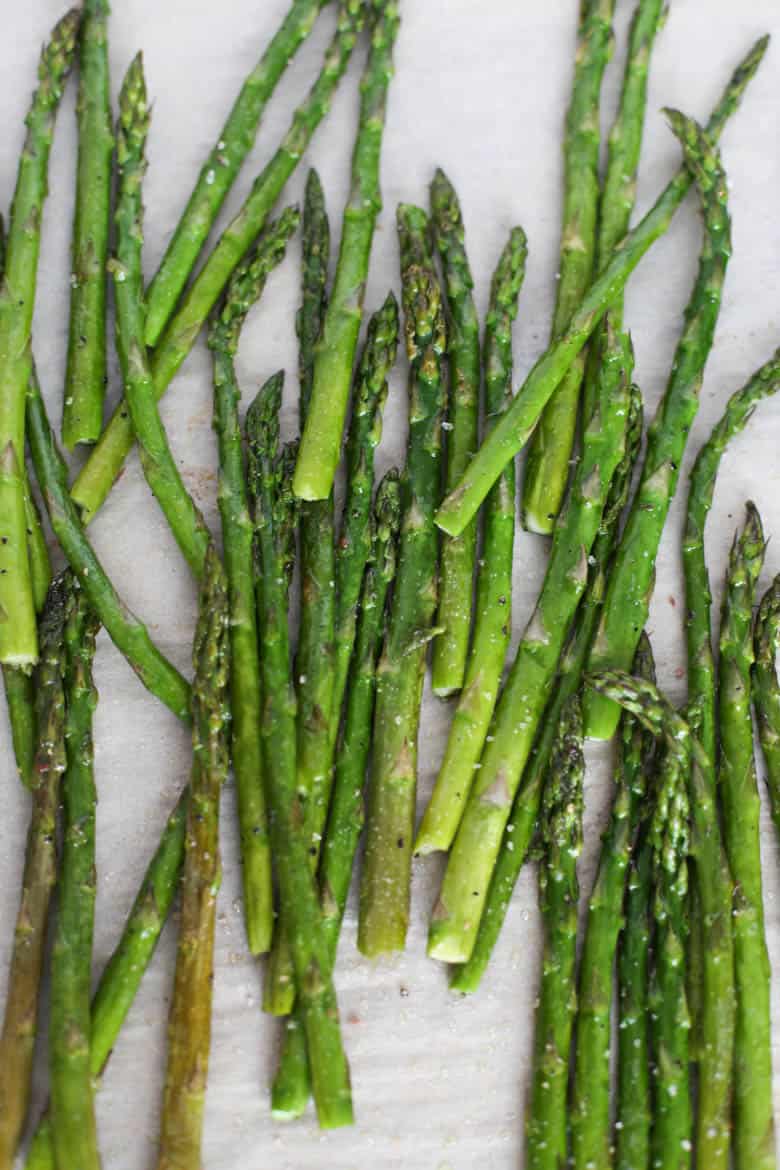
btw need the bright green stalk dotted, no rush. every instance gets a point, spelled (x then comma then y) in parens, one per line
(37, 551)
(17, 1040)
(159, 466)
(72, 1106)
(97, 477)
(455, 919)
(631, 584)
(363, 437)
(561, 843)
(766, 693)
(514, 429)
(385, 880)
(345, 822)
(85, 379)
(493, 619)
(754, 1134)
(522, 821)
(669, 839)
(189, 1025)
(458, 553)
(298, 889)
(223, 164)
(590, 1098)
(18, 632)
(126, 967)
(550, 449)
(245, 288)
(127, 633)
(320, 449)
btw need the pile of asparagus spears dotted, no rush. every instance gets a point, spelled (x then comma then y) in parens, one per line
(323, 737)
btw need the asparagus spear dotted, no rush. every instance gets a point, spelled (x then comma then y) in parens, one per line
(494, 580)
(669, 839)
(126, 967)
(550, 448)
(17, 1040)
(18, 633)
(631, 584)
(590, 1098)
(72, 1107)
(561, 843)
(128, 634)
(455, 919)
(223, 164)
(458, 553)
(754, 1136)
(85, 379)
(98, 474)
(386, 874)
(299, 897)
(363, 436)
(244, 290)
(766, 694)
(345, 820)
(522, 821)
(159, 466)
(514, 429)
(189, 1027)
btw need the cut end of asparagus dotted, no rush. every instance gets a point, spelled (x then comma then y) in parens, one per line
(601, 716)
(540, 523)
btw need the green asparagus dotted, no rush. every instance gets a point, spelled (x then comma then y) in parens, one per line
(320, 450)
(223, 164)
(85, 379)
(631, 584)
(455, 919)
(72, 1108)
(385, 879)
(561, 842)
(99, 473)
(18, 631)
(550, 448)
(514, 429)
(766, 693)
(493, 619)
(754, 1135)
(17, 1041)
(458, 553)
(189, 1026)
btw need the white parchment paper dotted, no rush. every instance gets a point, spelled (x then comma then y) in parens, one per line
(481, 89)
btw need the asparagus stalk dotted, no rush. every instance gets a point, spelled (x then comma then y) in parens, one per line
(159, 466)
(17, 1040)
(127, 633)
(99, 473)
(455, 919)
(18, 632)
(514, 429)
(550, 448)
(522, 821)
(221, 168)
(458, 553)
(299, 897)
(561, 843)
(590, 1098)
(244, 290)
(385, 879)
(493, 620)
(669, 838)
(754, 1136)
(766, 693)
(363, 437)
(72, 1107)
(189, 1027)
(345, 821)
(85, 379)
(631, 584)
